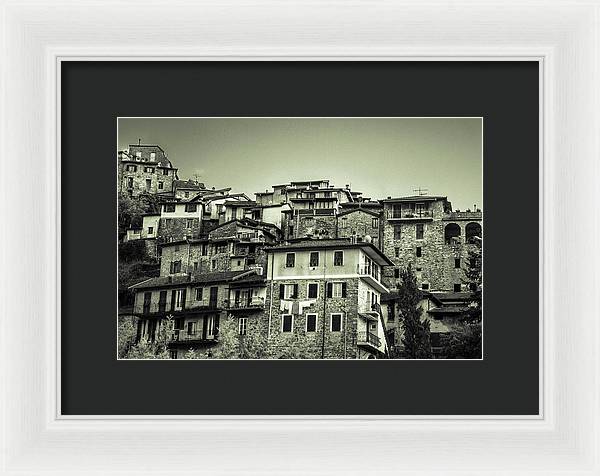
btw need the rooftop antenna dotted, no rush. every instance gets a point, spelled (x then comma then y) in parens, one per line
(421, 191)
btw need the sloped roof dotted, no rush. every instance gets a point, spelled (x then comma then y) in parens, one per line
(178, 280)
(353, 210)
(189, 184)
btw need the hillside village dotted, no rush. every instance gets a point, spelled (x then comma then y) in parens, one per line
(305, 269)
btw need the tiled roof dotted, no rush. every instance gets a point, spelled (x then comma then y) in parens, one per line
(415, 198)
(191, 184)
(358, 209)
(177, 280)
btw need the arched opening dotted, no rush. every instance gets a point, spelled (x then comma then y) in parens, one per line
(473, 232)
(451, 233)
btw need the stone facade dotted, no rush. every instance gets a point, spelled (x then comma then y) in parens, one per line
(145, 169)
(422, 242)
(360, 223)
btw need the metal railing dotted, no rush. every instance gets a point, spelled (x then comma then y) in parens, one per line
(182, 335)
(368, 338)
(407, 214)
(368, 270)
(245, 303)
(165, 307)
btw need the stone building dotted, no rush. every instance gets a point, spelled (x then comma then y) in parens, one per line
(187, 189)
(145, 169)
(322, 300)
(360, 224)
(424, 231)
(195, 304)
(179, 220)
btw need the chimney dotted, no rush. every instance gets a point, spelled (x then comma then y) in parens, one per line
(139, 141)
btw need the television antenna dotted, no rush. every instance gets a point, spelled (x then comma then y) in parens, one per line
(421, 191)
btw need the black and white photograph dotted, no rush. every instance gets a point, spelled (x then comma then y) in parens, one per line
(300, 238)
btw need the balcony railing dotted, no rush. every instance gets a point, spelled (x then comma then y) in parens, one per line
(182, 335)
(366, 337)
(368, 270)
(409, 214)
(255, 302)
(148, 309)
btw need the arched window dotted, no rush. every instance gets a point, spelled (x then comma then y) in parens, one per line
(473, 232)
(451, 233)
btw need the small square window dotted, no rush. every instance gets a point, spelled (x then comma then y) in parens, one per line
(396, 273)
(165, 171)
(397, 232)
(375, 223)
(169, 207)
(457, 262)
(150, 230)
(425, 286)
(287, 323)
(336, 322)
(419, 252)
(161, 185)
(397, 252)
(290, 260)
(311, 323)
(313, 290)
(173, 354)
(189, 223)
(457, 288)
(152, 155)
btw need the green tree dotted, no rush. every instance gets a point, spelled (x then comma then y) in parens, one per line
(465, 340)
(416, 338)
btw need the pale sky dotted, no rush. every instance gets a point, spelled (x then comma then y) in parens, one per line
(379, 157)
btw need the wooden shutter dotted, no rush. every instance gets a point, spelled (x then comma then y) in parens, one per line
(173, 299)
(281, 291)
(216, 326)
(329, 290)
(295, 296)
(343, 290)
(183, 299)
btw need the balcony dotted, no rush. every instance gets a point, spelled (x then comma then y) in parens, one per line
(159, 309)
(182, 337)
(256, 303)
(368, 340)
(409, 215)
(371, 274)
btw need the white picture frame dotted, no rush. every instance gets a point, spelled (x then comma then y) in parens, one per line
(562, 36)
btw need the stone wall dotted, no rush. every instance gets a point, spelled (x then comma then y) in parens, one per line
(360, 223)
(175, 229)
(299, 343)
(139, 177)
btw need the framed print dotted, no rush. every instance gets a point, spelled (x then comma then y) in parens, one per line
(323, 238)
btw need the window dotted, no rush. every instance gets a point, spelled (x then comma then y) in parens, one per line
(175, 267)
(338, 258)
(191, 328)
(473, 287)
(204, 249)
(314, 258)
(195, 265)
(138, 154)
(213, 264)
(457, 288)
(290, 260)
(198, 293)
(189, 223)
(419, 252)
(375, 223)
(425, 286)
(287, 323)
(243, 326)
(186, 195)
(420, 229)
(149, 170)
(132, 168)
(169, 207)
(191, 207)
(397, 232)
(173, 354)
(457, 262)
(160, 185)
(344, 222)
(336, 290)
(313, 290)
(397, 252)
(152, 155)
(129, 182)
(311, 323)
(396, 273)
(150, 230)
(452, 234)
(288, 291)
(165, 171)
(168, 221)
(336, 322)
